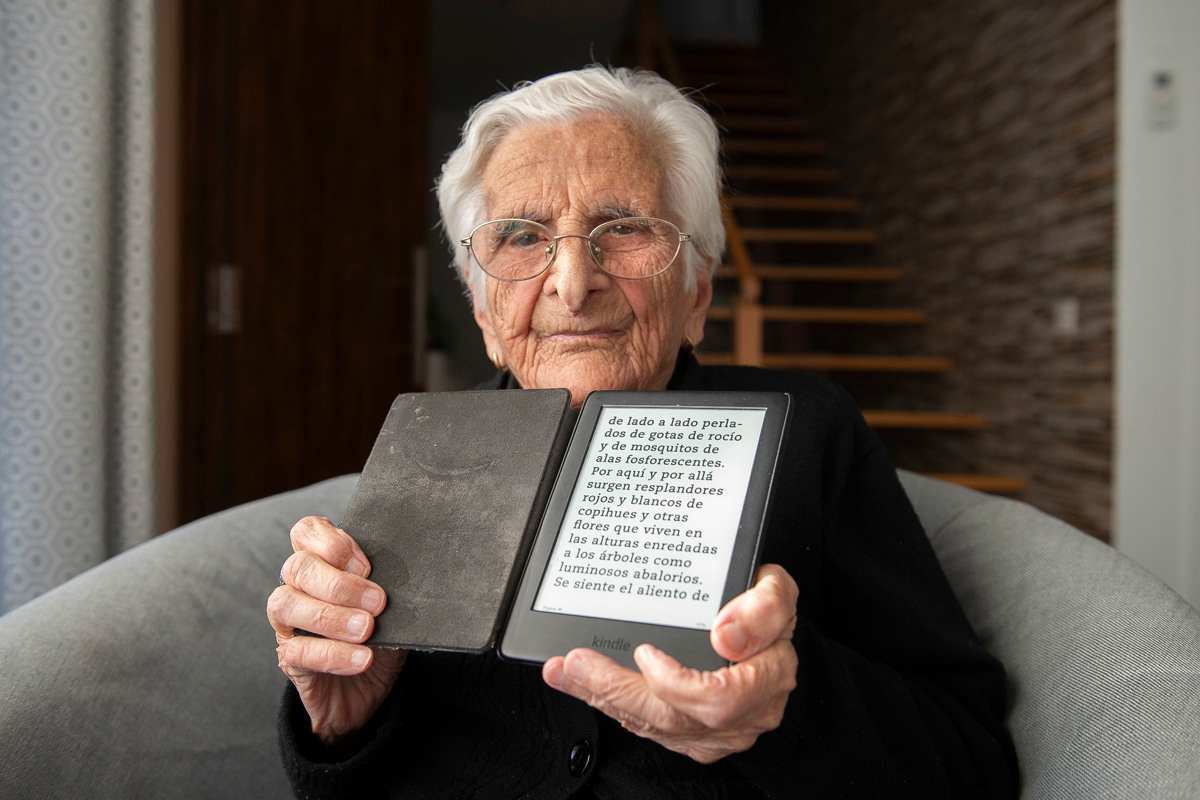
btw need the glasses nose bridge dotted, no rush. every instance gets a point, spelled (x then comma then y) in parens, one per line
(593, 250)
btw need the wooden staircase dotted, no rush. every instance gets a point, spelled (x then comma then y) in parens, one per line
(788, 225)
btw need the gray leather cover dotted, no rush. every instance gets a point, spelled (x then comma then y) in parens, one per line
(446, 506)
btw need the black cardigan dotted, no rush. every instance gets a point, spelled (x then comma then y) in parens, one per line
(895, 695)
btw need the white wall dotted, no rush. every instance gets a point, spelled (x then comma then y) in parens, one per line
(1157, 511)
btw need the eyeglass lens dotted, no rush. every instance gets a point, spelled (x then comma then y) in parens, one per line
(514, 249)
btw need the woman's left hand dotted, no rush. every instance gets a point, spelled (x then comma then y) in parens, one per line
(704, 715)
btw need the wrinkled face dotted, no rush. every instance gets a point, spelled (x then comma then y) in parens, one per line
(574, 326)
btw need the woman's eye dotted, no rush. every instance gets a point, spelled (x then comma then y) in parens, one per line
(524, 239)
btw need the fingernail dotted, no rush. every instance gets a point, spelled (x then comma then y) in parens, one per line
(735, 638)
(357, 624)
(646, 650)
(576, 669)
(553, 675)
(372, 600)
(357, 566)
(359, 658)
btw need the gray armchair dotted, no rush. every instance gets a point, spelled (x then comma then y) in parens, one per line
(153, 674)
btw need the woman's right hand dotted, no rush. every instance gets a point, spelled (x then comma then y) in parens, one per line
(325, 591)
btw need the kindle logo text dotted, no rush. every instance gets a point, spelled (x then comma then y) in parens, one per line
(599, 642)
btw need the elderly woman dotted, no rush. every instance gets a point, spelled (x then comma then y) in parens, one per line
(584, 215)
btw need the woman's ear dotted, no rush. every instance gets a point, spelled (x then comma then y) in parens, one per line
(693, 326)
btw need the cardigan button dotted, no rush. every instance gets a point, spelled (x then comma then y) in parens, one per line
(580, 758)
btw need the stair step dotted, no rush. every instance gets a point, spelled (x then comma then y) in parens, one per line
(745, 63)
(732, 81)
(750, 102)
(857, 363)
(698, 49)
(781, 272)
(851, 315)
(810, 235)
(753, 123)
(717, 51)
(713, 54)
(924, 420)
(790, 203)
(841, 363)
(784, 174)
(993, 484)
(776, 147)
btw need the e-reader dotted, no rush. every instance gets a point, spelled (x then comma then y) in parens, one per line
(653, 524)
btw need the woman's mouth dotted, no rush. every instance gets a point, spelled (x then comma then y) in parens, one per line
(585, 336)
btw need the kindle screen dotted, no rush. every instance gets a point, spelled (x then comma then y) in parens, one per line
(652, 519)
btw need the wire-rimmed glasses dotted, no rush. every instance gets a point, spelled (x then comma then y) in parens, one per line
(630, 247)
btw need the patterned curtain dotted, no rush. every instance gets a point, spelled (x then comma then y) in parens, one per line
(76, 153)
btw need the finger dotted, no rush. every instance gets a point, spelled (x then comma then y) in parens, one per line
(338, 548)
(275, 603)
(289, 609)
(310, 574)
(725, 697)
(309, 654)
(757, 617)
(616, 691)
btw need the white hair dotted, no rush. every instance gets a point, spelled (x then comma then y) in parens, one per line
(674, 125)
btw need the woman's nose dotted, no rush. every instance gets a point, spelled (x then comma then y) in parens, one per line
(574, 274)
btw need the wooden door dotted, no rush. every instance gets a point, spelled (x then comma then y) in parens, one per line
(302, 196)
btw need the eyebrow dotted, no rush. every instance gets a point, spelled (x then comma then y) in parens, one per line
(616, 212)
(523, 211)
(601, 213)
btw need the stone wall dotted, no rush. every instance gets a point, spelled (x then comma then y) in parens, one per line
(981, 134)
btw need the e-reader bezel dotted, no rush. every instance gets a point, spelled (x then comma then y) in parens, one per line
(534, 636)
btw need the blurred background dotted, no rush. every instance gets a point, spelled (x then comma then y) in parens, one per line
(220, 257)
